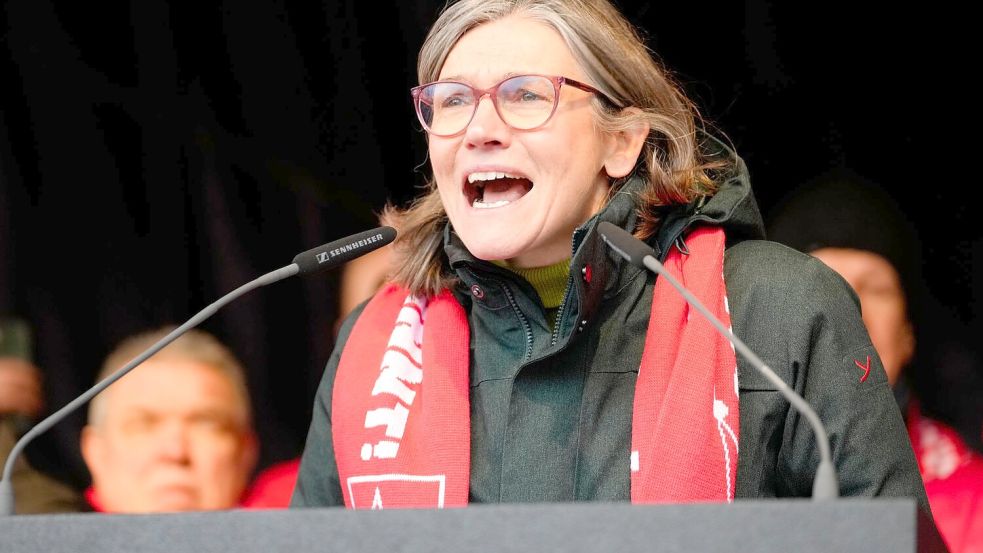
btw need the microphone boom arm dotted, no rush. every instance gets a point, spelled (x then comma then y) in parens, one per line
(323, 257)
(636, 252)
(825, 485)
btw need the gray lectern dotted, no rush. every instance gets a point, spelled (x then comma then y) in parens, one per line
(799, 526)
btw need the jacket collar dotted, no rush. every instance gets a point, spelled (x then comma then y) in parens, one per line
(595, 271)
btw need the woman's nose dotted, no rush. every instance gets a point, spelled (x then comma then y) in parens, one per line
(486, 127)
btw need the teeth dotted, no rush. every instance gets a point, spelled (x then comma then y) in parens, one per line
(490, 175)
(478, 204)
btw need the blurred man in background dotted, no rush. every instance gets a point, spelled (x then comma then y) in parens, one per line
(21, 400)
(21, 403)
(175, 434)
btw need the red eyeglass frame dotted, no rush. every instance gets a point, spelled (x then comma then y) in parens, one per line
(491, 92)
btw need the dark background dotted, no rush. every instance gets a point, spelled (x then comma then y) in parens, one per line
(154, 156)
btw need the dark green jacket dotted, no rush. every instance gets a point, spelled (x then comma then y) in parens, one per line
(551, 410)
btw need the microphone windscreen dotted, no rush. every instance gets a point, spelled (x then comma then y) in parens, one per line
(344, 250)
(626, 245)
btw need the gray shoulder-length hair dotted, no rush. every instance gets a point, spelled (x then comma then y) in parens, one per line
(617, 62)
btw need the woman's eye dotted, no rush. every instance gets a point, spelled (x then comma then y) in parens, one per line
(454, 101)
(523, 95)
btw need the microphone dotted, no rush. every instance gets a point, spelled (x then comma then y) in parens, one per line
(342, 251)
(327, 256)
(636, 252)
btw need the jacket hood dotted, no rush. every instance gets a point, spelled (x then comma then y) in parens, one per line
(733, 205)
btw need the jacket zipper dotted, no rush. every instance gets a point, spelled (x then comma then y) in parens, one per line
(559, 312)
(555, 336)
(522, 319)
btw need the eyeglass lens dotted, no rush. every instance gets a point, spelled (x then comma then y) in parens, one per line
(524, 102)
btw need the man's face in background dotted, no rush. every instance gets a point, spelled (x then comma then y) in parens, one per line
(173, 435)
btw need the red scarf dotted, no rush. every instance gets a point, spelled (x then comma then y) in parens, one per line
(402, 426)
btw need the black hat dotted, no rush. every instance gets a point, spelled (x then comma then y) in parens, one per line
(844, 210)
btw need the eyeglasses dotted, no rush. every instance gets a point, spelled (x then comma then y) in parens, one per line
(524, 102)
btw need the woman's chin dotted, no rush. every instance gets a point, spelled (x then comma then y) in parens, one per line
(489, 249)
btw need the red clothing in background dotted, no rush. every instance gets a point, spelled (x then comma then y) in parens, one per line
(953, 476)
(273, 487)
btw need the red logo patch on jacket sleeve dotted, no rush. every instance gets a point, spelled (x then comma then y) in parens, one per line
(864, 368)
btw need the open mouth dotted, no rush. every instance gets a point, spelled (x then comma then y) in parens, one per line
(492, 189)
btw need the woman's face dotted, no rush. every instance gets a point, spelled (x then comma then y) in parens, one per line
(529, 220)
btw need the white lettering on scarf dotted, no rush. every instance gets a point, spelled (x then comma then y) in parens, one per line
(400, 373)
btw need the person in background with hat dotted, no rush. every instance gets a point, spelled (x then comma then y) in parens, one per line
(855, 228)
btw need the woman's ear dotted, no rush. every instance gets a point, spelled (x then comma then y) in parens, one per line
(624, 147)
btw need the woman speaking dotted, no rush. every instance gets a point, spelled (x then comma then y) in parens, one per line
(514, 358)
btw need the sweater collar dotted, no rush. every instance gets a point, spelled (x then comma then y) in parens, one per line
(550, 281)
